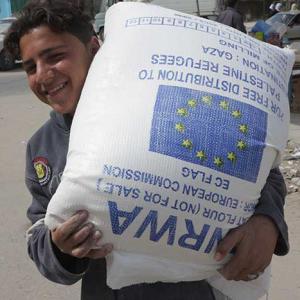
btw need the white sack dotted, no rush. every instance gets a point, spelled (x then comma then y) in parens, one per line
(179, 123)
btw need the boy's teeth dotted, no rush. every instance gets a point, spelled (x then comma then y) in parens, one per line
(57, 88)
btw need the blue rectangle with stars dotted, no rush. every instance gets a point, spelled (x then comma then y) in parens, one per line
(209, 130)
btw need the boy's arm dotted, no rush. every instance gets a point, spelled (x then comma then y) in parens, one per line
(271, 205)
(50, 261)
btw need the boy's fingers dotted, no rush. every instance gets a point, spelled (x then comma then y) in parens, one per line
(84, 248)
(237, 264)
(81, 235)
(226, 245)
(67, 228)
(101, 252)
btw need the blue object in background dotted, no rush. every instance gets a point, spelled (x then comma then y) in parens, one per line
(5, 9)
(209, 130)
(262, 26)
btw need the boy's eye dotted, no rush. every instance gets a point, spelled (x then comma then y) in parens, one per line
(56, 57)
(29, 69)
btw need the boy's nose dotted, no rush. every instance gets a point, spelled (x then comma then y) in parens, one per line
(45, 75)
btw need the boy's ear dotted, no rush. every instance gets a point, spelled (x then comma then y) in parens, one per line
(94, 45)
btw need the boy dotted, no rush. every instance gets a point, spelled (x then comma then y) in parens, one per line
(57, 44)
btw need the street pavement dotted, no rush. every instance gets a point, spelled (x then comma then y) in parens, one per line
(20, 115)
(285, 283)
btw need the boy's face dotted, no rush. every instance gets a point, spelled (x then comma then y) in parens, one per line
(56, 65)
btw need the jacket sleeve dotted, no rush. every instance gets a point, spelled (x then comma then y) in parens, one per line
(50, 261)
(271, 204)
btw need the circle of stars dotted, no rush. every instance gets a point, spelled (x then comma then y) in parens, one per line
(218, 161)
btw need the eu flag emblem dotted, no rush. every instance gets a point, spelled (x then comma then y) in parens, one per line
(209, 130)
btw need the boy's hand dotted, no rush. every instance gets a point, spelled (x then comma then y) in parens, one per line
(254, 244)
(78, 240)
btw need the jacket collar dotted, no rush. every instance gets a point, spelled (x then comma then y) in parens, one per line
(62, 121)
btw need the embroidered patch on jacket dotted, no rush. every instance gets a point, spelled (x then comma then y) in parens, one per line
(42, 169)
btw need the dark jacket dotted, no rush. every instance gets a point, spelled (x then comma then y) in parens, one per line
(232, 18)
(45, 162)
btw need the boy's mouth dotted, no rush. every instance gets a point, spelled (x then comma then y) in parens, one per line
(53, 91)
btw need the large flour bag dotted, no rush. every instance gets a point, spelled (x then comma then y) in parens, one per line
(178, 125)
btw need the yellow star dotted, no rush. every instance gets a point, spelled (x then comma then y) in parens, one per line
(207, 99)
(218, 161)
(236, 114)
(224, 104)
(243, 128)
(231, 156)
(201, 155)
(182, 112)
(241, 145)
(180, 127)
(192, 103)
(187, 144)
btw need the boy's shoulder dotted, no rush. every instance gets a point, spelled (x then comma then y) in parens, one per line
(41, 133)
(54, 126)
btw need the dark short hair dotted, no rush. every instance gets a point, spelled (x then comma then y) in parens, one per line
(59, 15)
